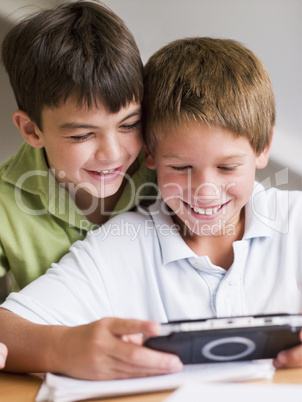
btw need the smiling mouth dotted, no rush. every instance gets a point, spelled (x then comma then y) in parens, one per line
(107, 172)
(206, 211)
(104, 172)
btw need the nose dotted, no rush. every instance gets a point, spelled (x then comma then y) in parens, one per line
(205, 187)
(109, 148)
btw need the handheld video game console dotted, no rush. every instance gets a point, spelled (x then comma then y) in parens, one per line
(228, 339)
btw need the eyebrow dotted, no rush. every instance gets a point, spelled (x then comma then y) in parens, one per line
(137, 112)
(73, 126)
(233, 156)
(172, 156)
(223, 157)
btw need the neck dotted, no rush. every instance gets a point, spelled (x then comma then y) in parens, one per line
(218, 247)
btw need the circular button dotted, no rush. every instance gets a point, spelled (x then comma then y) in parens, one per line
(207, 350)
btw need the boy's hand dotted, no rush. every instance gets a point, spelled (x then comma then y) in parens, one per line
(3, 354)
(110, 348)
(290, 358)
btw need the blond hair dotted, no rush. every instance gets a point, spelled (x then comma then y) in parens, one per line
(218, 82)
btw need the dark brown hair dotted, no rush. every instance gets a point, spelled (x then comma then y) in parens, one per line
(80, 48)
(218, 82)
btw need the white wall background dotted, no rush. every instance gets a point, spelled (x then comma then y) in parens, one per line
(270, 28)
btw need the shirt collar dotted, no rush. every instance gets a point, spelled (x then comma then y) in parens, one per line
(258, 215)
(28, 170)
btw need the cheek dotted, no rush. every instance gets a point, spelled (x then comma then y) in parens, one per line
(133, 145)
(240, 187)
(169, 185)
(70, 159)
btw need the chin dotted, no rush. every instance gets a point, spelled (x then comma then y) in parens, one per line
(107, 193)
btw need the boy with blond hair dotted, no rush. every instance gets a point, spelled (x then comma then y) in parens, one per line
(214, 244)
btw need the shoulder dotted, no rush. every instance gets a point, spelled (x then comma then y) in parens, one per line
(141, 231)
(269, 196)
(123, 241)
(274, 208)
(20, 185)
(6, 185)
(274, 197)
(27, 159)
(124, 227)
(5, 165)
(16, 166)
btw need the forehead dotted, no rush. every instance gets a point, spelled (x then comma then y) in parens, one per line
(71, 110)
(74, 103)
(201, 142)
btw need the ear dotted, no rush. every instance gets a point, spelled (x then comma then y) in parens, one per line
(29, 130)
(149, 159)
(262, 159)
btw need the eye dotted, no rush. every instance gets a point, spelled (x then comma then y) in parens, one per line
(129, 127)
(181, 168)
(228, 168)
(81, 138)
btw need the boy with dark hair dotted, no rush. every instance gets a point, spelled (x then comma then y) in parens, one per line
(215, 244)
(76, 73)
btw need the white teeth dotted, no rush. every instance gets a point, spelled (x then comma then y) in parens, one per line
(105, 171)
(208, 211)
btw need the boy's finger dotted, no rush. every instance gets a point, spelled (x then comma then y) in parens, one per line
(289, 358)
(136, 339)
(120, 326)
(147, 360)
(117, 369)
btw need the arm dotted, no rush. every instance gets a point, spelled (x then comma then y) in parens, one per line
(291, 357)
(95, 351)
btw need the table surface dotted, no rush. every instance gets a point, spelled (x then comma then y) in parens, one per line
(24, 387)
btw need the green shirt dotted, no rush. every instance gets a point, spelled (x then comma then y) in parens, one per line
(39, 220)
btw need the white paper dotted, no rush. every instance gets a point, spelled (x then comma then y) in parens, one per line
(236, 393)
(57, 388)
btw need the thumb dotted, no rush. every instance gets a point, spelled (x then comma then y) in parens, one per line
(3, 355)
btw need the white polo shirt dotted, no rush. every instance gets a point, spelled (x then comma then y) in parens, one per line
(138, 266)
